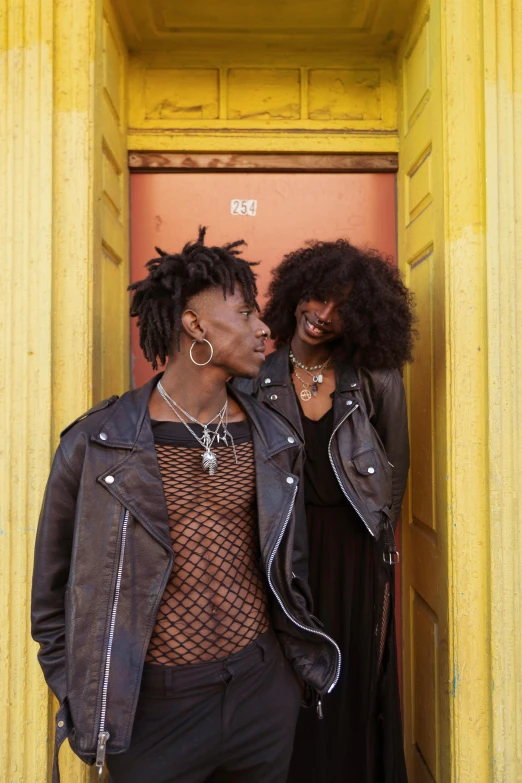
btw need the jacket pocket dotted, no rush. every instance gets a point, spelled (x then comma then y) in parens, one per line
(365, 462)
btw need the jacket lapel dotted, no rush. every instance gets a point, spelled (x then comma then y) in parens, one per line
(137, 482)
(277, 391)
(275, 485)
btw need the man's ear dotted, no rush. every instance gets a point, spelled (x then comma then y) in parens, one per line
(191, 324)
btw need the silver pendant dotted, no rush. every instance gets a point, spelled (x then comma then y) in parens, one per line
(209, 461)
(317, 378)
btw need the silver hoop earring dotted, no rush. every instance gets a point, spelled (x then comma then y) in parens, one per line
(202, 364)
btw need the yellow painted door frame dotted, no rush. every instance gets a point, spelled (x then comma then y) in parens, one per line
(460, 245)
(63, 303)
(63, 179)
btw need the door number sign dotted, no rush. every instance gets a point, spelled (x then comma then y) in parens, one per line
(243, 206)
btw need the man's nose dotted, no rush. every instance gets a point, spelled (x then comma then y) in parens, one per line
(263, 330)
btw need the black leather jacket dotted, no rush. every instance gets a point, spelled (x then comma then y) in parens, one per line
(369, 447)
(103, 557)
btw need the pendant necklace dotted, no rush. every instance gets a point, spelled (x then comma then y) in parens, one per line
(305, 392)
(317, 378)
(209, 457)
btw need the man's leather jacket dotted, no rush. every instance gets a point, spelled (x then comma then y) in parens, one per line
(103, 557)
(369, 448)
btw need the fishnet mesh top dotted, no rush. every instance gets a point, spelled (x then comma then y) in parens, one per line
(215, 601)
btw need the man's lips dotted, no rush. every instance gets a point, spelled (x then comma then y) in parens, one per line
(260, 349)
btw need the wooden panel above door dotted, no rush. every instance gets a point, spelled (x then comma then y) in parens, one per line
(172, 161)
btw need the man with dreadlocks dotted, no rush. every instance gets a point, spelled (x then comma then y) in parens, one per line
(169, 591)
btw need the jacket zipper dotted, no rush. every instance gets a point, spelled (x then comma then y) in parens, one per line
(352, 410)
(103, 735)
(295, 622)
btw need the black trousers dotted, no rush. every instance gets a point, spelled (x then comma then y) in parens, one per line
(228, 721)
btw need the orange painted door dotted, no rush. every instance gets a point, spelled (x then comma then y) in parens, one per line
(166, 210)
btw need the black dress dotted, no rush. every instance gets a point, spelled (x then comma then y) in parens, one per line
(359, 739)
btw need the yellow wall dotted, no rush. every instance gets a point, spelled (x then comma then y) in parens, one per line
(451, 103)
(63, 234)
(501, 92)
(460, 229)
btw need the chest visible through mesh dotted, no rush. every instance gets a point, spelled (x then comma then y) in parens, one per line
(215, 601)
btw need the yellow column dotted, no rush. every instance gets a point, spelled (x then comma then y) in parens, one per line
(47, 230)
(481, 63)
(460, 229)
(466, 390)
(26, 177)
(502, 25)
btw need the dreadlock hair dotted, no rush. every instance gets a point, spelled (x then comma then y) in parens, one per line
(161, 298)
(377, 313)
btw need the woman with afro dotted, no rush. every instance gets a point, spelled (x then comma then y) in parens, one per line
(342, 321)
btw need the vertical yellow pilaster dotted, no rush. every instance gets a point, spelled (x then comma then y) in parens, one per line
(466, 389)
(47, 233)
(482, 60)
(502, 30)
(26, 179)
(460, 238)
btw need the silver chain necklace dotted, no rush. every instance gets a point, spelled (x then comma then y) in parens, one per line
(209, 457)
(317, 378)
(309, 369)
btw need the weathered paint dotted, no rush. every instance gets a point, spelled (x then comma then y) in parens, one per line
(54, 296)
(457, 79)
(215, 100)
(322, 86)
(460, 244)
(502, 96)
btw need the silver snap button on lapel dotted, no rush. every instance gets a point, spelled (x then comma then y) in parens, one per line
(291, 440)
(273, 396)
(268, 380)
(353, 385)
(109, 479)
(289, 480)
(103, 436)
(61, 724)
(349, 402)
(371, 470)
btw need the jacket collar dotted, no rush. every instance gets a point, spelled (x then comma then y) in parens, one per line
(123, 425)
(279, 394)
(127, 424)
(135, 479)
(276, 372)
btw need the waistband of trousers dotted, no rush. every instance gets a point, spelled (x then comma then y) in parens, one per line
(166, 678)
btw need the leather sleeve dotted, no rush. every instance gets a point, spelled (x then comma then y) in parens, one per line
(391, 422)
(51, 572)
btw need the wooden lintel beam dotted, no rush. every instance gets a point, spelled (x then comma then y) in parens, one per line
(174, 161)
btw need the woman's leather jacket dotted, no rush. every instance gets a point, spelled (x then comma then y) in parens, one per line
(369, 447)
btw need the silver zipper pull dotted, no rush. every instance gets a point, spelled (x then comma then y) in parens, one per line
(319, 708)
(103, 736)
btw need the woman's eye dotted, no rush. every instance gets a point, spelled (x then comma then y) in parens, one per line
(248, 313)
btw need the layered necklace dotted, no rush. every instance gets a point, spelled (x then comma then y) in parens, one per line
(209, 458)
(310, 390)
